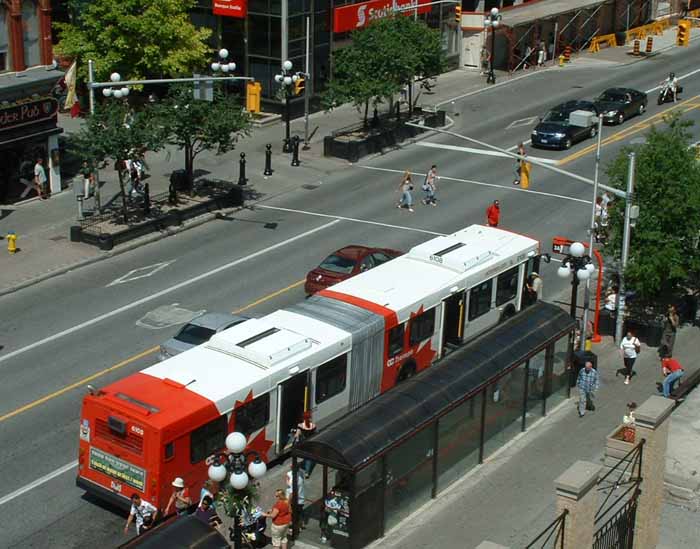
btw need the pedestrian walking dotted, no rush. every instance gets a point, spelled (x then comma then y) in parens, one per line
(493, 214)
(629, 349)
(405, 188)
(668, 337)
(299, 505)
(142, 513)
(40, 179)
(207, 513)
(588, 383)
(281, 519)
(88, 179)
(672, 372)
(519, 164)
(485, 59)
(180, 499)
(430, 186)
(541, 54)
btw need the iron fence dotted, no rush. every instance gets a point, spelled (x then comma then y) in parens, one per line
(624, 477)
(618, 531)
(552, 537)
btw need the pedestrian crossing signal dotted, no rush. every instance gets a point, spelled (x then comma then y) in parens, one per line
(458, 15)
(299, 85)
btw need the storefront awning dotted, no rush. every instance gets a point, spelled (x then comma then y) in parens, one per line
(365, 434)
(545, 9)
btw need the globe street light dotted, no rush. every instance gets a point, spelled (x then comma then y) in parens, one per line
(579, 267)
(286, 79)
(221, 64)
(233, 465)
(492, 20)
(115, 92)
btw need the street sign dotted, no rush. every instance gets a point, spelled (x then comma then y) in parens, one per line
(560, 245)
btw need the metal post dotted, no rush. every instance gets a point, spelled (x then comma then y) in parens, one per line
(625, 249)
(91, 96)
(556, 40)
(306, 87)
(574, 297)
(242, 180)
(81, 214)
(287, 147)
(492, 76)
(268, 160)
(295, 151)
(591, 232)
(146, 199)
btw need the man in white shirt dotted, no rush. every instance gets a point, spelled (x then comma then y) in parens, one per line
(40, 178)
(143, 513)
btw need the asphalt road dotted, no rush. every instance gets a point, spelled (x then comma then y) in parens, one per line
(102, 322)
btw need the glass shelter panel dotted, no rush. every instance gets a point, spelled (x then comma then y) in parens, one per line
(535, 387)
(458, 441)
(504, 409)
(559, 384)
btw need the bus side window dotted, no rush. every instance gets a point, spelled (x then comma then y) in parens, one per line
(422, 327)
(480, 299)
(169, 451)
(253, 415)
(208, 439)
(507, 286)
(331, 378)
(396, 340)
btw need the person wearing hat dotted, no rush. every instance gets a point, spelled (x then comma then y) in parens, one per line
(180, 498)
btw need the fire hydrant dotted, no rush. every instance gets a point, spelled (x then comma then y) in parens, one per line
(562, 60)
(11, 238)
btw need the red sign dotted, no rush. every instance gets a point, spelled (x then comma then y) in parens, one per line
(560, 245)
(231, 8)
(30, 112)
(356, 16)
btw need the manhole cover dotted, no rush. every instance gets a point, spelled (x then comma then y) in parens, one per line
(166, 316)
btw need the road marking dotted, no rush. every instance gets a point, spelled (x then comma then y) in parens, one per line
(484, 152)
(38, 482)
(141, 272)
(483, 184)
(522, 122)
(352, 219)
(684, 106)
(270, 296)
(166, 291)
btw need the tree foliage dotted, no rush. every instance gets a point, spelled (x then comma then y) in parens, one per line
(664, 256)
(195, 126)
(382, 59)
(136, 38)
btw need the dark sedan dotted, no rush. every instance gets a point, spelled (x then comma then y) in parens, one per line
(619, 104)
(345, 263)
(556, 131)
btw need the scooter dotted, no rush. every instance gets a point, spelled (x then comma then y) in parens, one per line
(666, 95)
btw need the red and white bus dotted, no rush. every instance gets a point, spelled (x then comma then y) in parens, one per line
(330, 354)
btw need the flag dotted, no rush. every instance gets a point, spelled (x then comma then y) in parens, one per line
(70, 79)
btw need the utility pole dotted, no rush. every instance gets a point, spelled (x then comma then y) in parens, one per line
(625, 248)
(91, 95)
(307, 76)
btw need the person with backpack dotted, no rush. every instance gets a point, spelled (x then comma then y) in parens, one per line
(430, 186)
(629, 349)
(142, 513)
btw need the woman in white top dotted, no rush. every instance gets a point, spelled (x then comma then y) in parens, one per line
(629, 348)
(611, 301)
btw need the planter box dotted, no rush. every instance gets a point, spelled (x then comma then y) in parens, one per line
(616, 448)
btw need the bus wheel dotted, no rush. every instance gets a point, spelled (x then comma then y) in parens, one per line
(508, 312)
(407, 370)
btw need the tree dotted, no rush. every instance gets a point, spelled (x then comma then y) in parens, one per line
(115, 132)
(136, 38)
(664, 256)
(195, 126)
(382, 59)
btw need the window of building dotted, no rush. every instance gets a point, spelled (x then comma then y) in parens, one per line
(422, 327)
(206, 440)
(480, 299)
(253, 415)
(507, 286)
(396, 340)
(30, 27)
(4, 42)
(331, 378)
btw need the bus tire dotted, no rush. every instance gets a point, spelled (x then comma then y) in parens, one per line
(408, 370)
(508, 312)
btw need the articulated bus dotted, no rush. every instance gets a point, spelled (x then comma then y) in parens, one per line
(330, 354)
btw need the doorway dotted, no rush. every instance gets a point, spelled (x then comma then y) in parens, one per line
(291, 400)
(453, 326)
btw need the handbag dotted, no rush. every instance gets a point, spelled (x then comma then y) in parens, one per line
(637, 346)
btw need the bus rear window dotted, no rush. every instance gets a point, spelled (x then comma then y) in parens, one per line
(112, 432)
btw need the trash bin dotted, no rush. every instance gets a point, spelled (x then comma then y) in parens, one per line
(606, 323)
(579, 359)
(179, 180)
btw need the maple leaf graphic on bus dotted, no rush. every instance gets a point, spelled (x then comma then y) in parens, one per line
(423, 353)
(259, 443)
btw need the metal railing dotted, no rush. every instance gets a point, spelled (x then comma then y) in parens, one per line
(556, 529)
(618, 530)
(627, 474)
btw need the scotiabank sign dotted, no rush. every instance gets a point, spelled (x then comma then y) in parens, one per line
(31, 112)
(231, 8)
(356, 16)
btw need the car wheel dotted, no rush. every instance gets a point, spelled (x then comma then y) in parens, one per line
(594, 131)
(642, 108)
(620, 118)
(568, 143)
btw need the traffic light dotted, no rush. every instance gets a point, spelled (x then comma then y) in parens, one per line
(683, 38)
(299, 85)
(458, 15)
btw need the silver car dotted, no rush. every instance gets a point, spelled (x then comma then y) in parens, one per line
(199, 330)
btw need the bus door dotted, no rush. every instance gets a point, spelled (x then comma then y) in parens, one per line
(292, 400)
(454, 314)
(482, 313)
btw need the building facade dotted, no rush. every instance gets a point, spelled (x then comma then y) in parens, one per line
(28, 111)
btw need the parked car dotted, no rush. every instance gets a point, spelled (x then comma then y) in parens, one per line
(197, 331)
(346, 263)
(556, 131)
(618, 104)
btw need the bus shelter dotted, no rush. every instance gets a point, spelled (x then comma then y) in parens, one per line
(383, 461)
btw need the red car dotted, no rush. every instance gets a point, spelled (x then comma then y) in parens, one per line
(345, 263)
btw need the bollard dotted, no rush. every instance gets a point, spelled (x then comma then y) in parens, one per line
(146, 199)
(172, 194)
(241, 170)
(635, 48)
(295, 151)
(650, 45)
(11, 238)
(81, 211)
(268, 160)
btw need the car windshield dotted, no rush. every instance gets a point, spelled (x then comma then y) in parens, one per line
(612, 96)
(337, 264)
(556, 116)
(195, 335)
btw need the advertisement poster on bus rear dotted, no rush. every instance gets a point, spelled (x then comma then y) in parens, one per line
(117, 468)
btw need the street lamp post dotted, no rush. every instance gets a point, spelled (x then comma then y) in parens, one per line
(287, 79)
(492, 20)
(233, 465)
(579, 267)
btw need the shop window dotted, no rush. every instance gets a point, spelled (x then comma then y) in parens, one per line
(3, 61)
(208, 439)
(258, 35)
(331, 378)
(480, 299)
(507, 286)
(253, 415)
(422, 327)
(396, 340)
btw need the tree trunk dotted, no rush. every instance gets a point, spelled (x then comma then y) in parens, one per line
(189, 169)
(366, 111)
(125, 211)
(410, 97)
